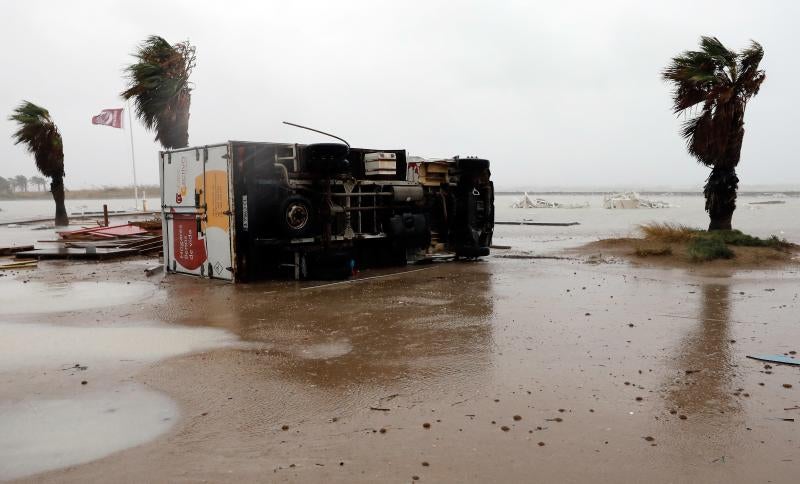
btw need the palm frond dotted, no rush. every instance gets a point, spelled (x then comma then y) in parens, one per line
(751, 76)
(722, 81)
(41, 138)
(158, 84)
(716, 50)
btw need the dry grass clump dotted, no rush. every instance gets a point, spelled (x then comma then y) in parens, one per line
(668, 232)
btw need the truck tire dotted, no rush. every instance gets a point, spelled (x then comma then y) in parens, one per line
(296, 217)
(473, 164)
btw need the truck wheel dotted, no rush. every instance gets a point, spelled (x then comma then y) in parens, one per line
(473, 164)
(296, 217)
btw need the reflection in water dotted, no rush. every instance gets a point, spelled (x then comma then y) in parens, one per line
(434, 322)
(705, 359)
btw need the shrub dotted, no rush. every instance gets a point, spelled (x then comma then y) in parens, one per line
(708, 248)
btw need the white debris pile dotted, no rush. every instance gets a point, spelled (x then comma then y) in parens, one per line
(527, 202)
(631, 200)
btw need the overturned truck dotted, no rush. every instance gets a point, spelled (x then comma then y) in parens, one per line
(244, 211)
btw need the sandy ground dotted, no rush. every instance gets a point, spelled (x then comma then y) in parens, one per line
(509, 370)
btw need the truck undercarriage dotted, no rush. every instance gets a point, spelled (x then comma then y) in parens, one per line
(245, 211)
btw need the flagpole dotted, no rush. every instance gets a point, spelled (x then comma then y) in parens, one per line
(133, 159)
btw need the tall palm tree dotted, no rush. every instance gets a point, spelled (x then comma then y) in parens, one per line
(159, 85)
(40, 136)
(713, 85)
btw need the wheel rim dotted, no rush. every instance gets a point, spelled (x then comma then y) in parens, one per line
(297, 216)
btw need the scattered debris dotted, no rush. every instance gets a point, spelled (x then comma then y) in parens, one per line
(780, 359)
(631, 200)
(154, 270)
(22, 264)
(527, 202)
(97, 243)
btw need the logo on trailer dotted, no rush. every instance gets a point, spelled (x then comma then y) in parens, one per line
(188, 245)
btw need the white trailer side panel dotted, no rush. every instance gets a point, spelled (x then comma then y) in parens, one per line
(182, 181)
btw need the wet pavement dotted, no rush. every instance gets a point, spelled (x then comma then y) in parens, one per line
(514, 370)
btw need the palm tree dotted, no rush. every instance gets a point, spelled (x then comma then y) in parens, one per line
(718, 82)
(41, 138)
(159, 85)
(39, 182)
(21, 182)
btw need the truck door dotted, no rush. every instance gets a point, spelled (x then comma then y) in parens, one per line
(196, 211)
(216, 204)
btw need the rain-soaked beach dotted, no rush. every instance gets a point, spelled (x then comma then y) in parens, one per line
(576, 368)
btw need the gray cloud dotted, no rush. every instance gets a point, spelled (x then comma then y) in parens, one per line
(554, 93)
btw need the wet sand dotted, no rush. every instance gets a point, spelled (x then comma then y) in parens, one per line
(508, 370)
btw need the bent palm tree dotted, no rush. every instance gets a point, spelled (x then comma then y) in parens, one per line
(721, 81)
(158, 83)
(41, 138)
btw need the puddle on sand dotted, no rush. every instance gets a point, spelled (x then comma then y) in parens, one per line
(38, 297)
(40, 434)
(30, 345)
(325, 351)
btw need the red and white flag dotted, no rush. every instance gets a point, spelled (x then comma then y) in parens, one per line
(109, 117)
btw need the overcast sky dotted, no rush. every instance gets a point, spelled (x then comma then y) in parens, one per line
(554, 93)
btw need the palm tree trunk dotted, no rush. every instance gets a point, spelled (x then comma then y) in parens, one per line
(57, 189)
(720, 193)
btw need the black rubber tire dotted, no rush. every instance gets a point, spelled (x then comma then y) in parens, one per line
(473, 164)
(296, 217)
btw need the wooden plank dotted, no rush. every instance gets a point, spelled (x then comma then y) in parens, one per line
(14, 249)
(540, 224)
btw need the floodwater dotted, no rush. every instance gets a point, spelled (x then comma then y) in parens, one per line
(66, 394)
(597, 223)
(43, 434)
(61, 296)
(16, 210)
(510, 370)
